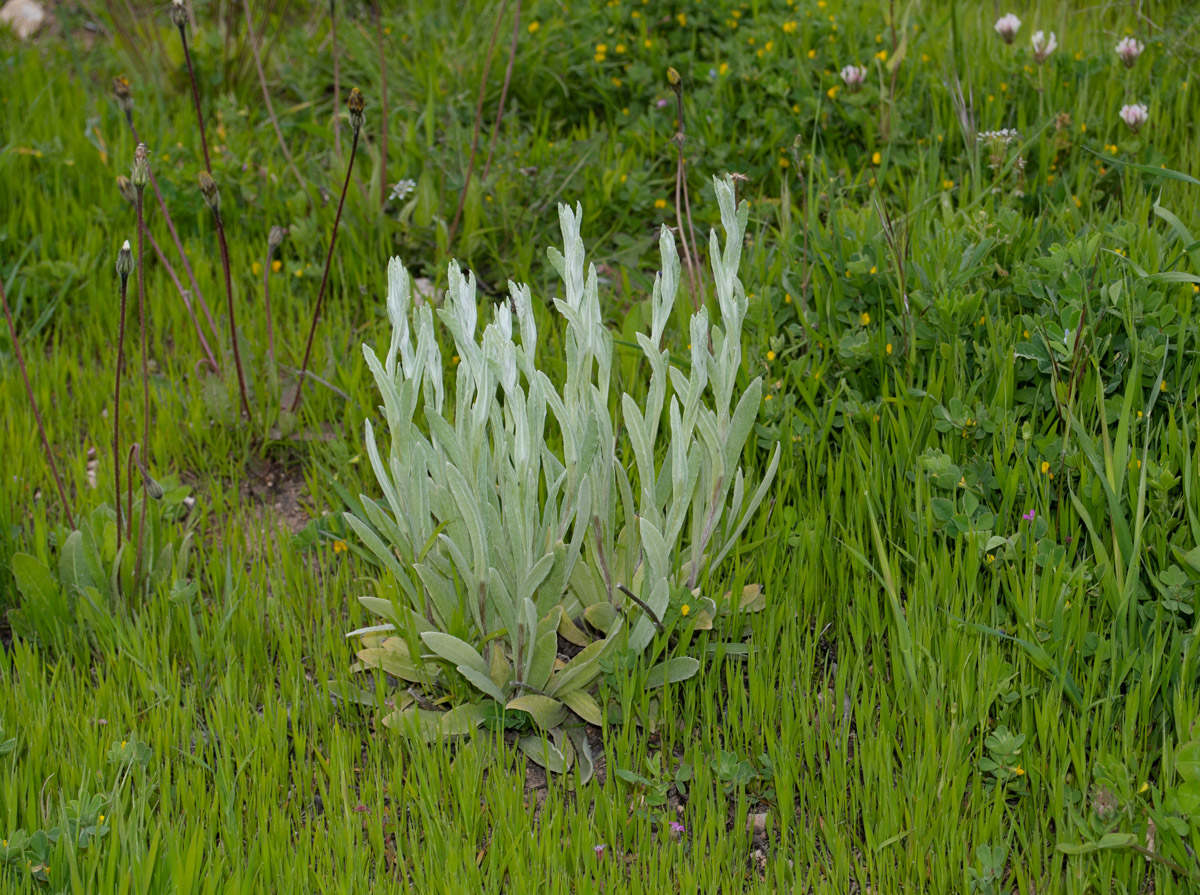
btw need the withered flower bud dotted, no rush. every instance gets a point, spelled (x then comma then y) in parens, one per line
(123, 94)
(275, 238)
(674, 80)
(208, 189)
(128, 193)
(141, 166)
(179, 14)
(355, 102)
(125, 261)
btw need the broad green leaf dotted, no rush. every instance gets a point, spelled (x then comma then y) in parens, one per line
(672, 671)
(547, 712)
(454, 651)
(585, 706)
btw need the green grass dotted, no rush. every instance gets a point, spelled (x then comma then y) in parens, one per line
(891, 647)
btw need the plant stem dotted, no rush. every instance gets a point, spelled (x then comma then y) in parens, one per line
(512, 56)
(116, 440)
(141, 274)
(187, 267)
(62, 493)
(262, 80)
(383, 128)
(337, 84)
(133, 452)
(209, 358)
(237, 357)
(267, 308)
(487, 66)
(195, 97)
(325, 276)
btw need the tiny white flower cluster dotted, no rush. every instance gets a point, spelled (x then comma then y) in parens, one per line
(1002, 137)
(402, 189)
(1129, 49)
(853, 76)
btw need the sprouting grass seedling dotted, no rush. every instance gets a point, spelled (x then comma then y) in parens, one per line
(124, 269)
(180, 19)
(356, 103)
(37, 416)
(140, 177)
(212, 198)
(124, 98)
(274, 240)
(130, 196)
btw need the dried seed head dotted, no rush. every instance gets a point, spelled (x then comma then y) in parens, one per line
(355, 103)
(674, 80)
(141, 166)
(275, 238)
(128, 193)
(208, 189)
(125, 261)
(122, 94)
(179, 14)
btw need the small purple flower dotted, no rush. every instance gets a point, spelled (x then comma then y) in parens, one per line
(1030, 516)
(662, 103)
(599, 850)
(677, 827)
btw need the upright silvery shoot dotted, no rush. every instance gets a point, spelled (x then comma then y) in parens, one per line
(511, 518)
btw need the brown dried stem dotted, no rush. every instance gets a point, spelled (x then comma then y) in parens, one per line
(12, 330)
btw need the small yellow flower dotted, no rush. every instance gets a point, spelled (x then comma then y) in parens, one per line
(723, 68)
(783, 161)
(454, 359)
(619, 48)
(832, 92)
(881, 55)
(256, 268)
(685, 609)
(991, 557)
(647, 43)
(123, 743)
(682, 20)
(599, 57)
(1144, 787)
(616, 82)
(768, 397)
(876, 158)
(660, 203)
(1045, 466)
(924, 57)
(276, 266)
(947, 184)
(299, 272)
(821, 4)
(101, 819)
(340, 547)
(1139, 414)
(1078, 204)
(874, 269)
(771, 356)
(1019, 771)
(1162, 386)
(888, 349)
(864, 318)
(601, 48)
(534, 27)
(1083, 127)
(790, 28)
(787, 299)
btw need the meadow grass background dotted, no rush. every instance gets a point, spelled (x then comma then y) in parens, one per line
(866, 742)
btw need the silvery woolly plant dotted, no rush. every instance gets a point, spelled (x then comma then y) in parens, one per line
(508, 520)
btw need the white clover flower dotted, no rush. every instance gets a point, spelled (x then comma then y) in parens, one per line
(1007, 27)
(1135, 116)
(402, 189)
(1043, 47)
(1129, 49)
(853, 76)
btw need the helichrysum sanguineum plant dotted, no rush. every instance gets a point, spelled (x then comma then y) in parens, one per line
(508, 520)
